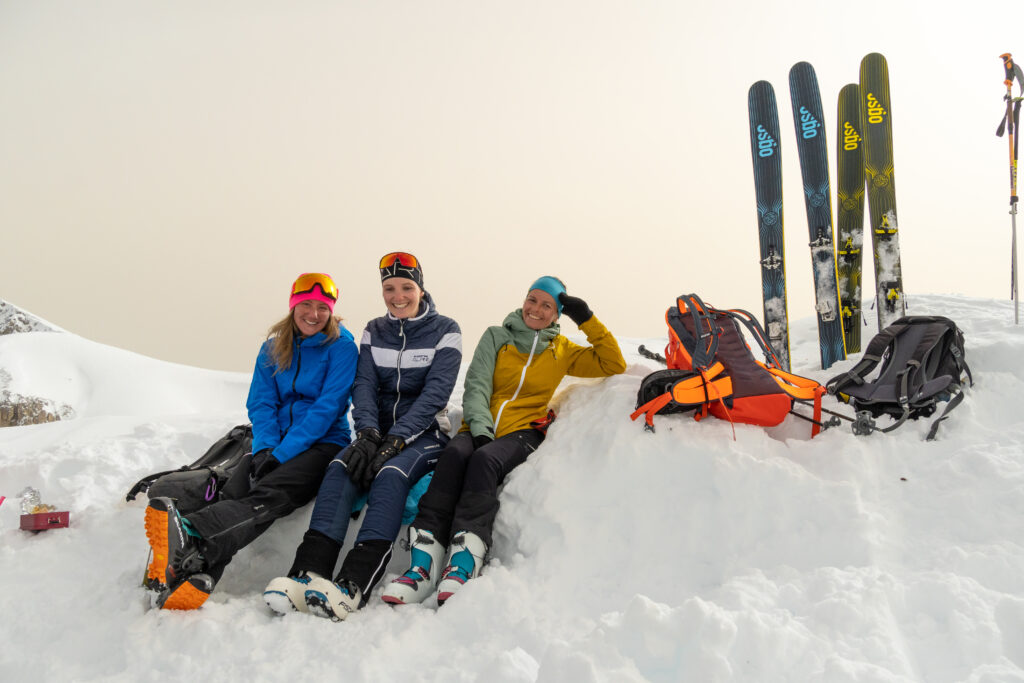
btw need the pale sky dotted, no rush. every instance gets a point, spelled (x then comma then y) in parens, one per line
(168, 168)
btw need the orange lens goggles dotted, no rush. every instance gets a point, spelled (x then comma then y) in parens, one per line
(307, 281)
(407, 260)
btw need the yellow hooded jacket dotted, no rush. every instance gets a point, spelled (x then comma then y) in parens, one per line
(515, 371)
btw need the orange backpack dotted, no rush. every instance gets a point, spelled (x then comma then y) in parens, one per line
(711, 370)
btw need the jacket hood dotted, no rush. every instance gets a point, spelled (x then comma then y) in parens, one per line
(523, 335)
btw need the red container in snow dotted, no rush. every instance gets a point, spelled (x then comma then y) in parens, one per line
(41, 521)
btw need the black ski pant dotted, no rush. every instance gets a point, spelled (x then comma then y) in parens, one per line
(228, 526)
(463, 495)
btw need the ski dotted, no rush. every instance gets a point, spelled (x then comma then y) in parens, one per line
(764, 149)
(850, 212)
(812, 149)
(876, 116)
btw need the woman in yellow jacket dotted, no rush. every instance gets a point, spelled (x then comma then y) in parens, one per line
(515, 370)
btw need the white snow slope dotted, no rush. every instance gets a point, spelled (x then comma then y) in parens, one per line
(619, 555)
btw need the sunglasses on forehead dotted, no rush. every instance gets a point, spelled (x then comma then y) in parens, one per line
(307, 281)
(400, 257)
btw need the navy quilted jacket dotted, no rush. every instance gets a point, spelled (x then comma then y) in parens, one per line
(406, 373)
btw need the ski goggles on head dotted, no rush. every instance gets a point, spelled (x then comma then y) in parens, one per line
(307, 281)
(400, 257)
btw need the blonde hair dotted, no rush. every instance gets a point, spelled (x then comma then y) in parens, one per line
(283, 334)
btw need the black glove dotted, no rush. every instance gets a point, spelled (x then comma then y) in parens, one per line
(576, 308)
(481, 441)
(357, 456)
(263, 463)
(389, 449)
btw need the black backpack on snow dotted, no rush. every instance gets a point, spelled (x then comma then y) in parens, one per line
(221, 473)
(922, 362)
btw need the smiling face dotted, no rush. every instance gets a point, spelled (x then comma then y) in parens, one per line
(401, 296)
(311, 316)
(539, 309)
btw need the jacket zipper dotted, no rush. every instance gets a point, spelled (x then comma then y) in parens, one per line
(295, 377)
(522, 378)
(398, 368)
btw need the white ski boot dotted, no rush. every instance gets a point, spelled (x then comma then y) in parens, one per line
(335, 601)
(288, 593)
(467, 559)
(426, 555)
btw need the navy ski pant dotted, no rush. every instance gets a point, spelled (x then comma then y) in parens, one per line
(463, 495)
(366, 562)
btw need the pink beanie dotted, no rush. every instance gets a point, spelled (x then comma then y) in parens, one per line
(318, 286)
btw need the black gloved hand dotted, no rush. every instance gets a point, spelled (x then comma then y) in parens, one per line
(576, 308)
(388, 449)
(263, 463)
(481, 440)
(357, 456)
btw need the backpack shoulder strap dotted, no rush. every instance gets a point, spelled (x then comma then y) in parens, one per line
(757, 332)
(872, 356)
(702, 345)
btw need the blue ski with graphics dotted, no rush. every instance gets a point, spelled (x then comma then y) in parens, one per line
(808, 120)
(764, 149)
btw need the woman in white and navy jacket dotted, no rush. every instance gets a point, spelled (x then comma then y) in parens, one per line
(408, 364)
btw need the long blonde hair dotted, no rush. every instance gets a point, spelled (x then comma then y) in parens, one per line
(283, 334)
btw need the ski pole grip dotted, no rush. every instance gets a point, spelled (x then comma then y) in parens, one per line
(1008, 65)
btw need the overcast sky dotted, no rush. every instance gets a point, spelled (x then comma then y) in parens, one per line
(167, 169)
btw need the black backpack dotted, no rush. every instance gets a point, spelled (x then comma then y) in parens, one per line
(222, 473)
(922, 363)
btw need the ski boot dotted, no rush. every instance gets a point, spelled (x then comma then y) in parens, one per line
(334, 600)
(187, 594)
(468, 551)
(175, 551)
(426, 555)
(288, 593)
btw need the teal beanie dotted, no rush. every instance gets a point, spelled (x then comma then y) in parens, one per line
(551, 285)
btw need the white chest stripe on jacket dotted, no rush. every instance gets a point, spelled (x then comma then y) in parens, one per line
(522, 379)
(410, 358)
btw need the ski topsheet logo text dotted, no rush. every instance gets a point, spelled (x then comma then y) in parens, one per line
(851, 138)
(808, 124)
(876, 112)
(766, 144)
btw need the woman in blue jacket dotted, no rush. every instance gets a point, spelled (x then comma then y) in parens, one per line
(298, 404)
(409, 361)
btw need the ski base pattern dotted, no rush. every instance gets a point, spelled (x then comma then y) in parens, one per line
(764, 149)
(876, 117)
(850, 212)
(808, 120)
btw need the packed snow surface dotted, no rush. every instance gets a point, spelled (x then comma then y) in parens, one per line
(619, 555)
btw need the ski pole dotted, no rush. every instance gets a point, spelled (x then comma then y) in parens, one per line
(1010, 122)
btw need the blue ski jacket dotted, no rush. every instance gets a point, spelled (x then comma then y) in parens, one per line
(407, 371)
(307, 403)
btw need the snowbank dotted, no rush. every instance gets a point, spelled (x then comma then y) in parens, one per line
(619, 555)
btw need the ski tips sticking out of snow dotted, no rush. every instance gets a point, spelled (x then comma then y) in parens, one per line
(850, 212)
(808, 120)
(767, 158)
(876, 117)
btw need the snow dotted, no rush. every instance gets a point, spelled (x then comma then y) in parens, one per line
(619, 555)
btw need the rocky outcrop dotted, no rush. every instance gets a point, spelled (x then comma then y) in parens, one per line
(14, 320)
(17, 410)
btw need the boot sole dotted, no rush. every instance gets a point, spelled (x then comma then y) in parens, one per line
(185, 597)
(156, 534)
